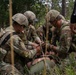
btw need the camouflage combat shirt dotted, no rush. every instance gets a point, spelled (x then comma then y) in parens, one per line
(65, 39)
(18, 44)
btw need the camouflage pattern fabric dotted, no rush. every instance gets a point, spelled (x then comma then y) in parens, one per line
(21, 52)
(6, 69)
(20, 19)
(32, 35)
(30, 16)
(51, 15)
(18, 45)
(65, 39)
(55, 36)
(73, 44)
(63, 33)
(41, 31)
(2, 54)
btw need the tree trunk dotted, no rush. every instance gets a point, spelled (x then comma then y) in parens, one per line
(64, 8)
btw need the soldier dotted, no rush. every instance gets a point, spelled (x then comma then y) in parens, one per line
(41, 31)
(21, 54)
(67, 38)
(64, 33)
(31, 33)
(19, 23)
(73, 28)
(73, 19)
(5, 68)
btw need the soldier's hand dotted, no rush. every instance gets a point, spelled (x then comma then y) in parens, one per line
(54, 48)
(51, 46)
(38, 50)
(34, 45)
(44, 44)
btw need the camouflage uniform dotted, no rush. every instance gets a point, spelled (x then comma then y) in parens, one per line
(41, 31)
(18, 45)
(31, 33)
(64, 35)
(73, 19)
(6, 69)
(20, 51)
(64, 32)
(73, 44)
(73, 27)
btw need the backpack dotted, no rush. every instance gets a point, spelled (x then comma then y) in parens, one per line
(5, 36)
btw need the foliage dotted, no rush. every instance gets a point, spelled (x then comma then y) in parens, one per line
(20, 6)
(40, 11)
(69, 9)
(3, 12)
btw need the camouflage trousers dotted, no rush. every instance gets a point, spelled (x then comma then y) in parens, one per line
(7, 69)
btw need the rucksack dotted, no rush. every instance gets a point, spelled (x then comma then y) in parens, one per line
(4, 37)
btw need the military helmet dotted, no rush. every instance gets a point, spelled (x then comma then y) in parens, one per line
(20, 19)
(30, 15)
(52, 15)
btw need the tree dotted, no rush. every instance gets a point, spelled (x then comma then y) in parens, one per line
(69, 9)
(64, 8)
(20, 6)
